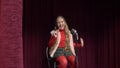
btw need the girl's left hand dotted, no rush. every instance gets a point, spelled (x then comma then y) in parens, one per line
(82, 42)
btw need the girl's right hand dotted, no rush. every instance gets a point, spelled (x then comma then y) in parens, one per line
(56, 33)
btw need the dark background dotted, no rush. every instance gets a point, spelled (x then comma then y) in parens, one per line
(97, 22)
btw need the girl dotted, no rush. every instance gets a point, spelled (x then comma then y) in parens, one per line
(61, 44)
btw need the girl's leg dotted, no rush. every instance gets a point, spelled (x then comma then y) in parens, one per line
(62, 61)
(71, 59)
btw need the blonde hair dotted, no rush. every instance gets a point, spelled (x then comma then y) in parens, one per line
(67, 31)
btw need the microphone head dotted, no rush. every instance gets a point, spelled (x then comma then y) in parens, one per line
(73, 31)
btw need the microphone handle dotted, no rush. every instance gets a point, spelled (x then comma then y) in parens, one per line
(77, 35)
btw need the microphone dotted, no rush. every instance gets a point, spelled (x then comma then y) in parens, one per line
(74, 32)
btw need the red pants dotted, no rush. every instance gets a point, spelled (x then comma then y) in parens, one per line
(63, 61)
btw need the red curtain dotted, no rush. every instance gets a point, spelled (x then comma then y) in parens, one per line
(96, 21)
(11, 46)
(108, 46)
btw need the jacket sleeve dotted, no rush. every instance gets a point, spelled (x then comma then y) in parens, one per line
(77, 45)
(52, 41)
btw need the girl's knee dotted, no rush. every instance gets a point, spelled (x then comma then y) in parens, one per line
(71, 59)
(62, 60)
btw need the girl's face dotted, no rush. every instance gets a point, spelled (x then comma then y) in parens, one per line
(60, 23)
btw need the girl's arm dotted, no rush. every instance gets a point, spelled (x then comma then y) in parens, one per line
(81, 44)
